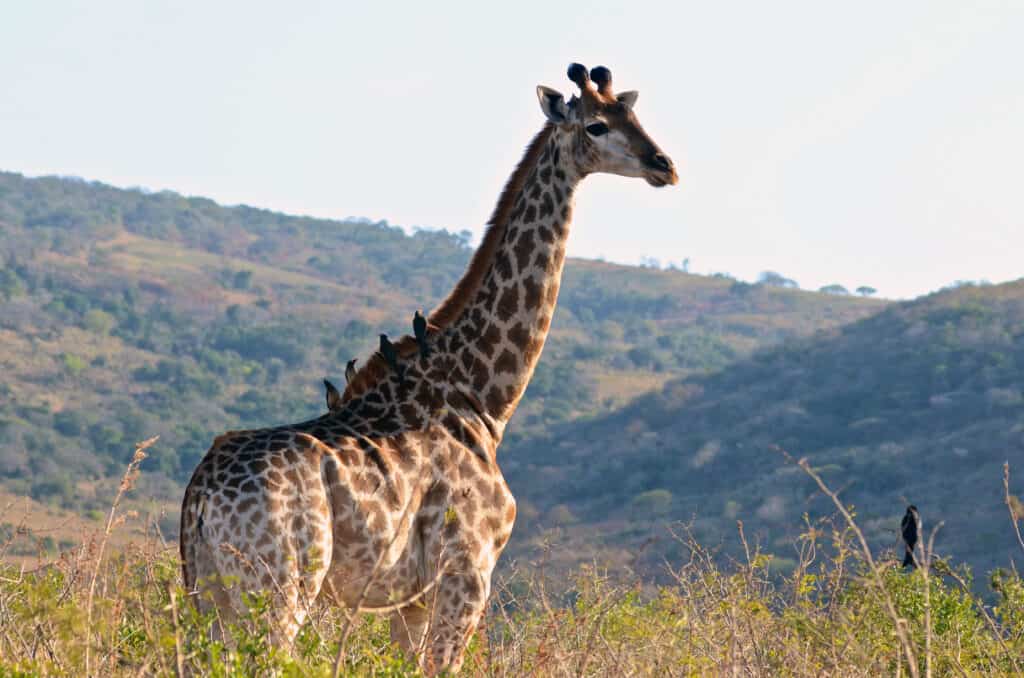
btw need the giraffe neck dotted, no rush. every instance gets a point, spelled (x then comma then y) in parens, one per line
(499, 331)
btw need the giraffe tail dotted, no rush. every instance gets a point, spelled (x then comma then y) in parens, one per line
(193, 509)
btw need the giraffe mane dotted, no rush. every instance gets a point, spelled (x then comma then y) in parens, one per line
(449, 310)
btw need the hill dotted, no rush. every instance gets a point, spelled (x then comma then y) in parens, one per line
(920, 403)
(125, 314)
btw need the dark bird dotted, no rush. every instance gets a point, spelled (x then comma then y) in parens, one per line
(390, 354)
(350, 370)
(419, 328)
(333, 396)
(911, 529)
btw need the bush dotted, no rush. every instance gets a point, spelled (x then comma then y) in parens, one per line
(73, 364)
(823, 613)
(69, 423)
(98, 321)
(653, 503)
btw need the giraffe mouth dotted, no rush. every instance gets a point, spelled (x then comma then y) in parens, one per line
(660, 171)
(660, 178)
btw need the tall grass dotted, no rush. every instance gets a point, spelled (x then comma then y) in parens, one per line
(842, 611)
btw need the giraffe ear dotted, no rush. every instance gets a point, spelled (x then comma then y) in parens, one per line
(628, 98)
(553, 104)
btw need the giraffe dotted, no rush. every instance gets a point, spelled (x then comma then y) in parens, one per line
(393, 501)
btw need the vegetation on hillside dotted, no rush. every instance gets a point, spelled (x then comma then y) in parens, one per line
(125, 314)
(920, 403)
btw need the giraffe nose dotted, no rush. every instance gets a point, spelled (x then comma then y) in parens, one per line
(662, 162)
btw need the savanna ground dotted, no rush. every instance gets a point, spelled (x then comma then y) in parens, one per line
(100, 609)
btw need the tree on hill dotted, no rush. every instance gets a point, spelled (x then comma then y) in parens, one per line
(650, 262)
(834, 289)
(866, 291)
(773, 279)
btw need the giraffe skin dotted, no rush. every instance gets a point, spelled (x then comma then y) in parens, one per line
(394, 500)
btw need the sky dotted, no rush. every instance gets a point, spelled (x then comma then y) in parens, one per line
(868, 143)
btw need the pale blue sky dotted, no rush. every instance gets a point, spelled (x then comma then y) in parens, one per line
(857, 143)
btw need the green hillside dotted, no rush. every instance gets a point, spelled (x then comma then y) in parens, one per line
(920, 403)
(125, 314)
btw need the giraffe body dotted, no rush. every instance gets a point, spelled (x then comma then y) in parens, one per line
(308, 510)
(399, 485)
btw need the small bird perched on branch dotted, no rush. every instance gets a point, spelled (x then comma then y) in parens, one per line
(419, 328)
(910, 527)
(350, 370)
(333, 396)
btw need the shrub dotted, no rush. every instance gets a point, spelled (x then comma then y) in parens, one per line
(73, 364)
(653, 502)
(98, 321)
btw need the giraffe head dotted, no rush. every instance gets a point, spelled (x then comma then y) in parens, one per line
(602, 130)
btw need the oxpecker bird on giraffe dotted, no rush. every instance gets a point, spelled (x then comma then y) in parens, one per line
(394, 500)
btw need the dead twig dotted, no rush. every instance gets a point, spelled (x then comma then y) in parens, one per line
(179, 647)
(127, 482)
(1009, 504)
(901, 631)
(926, 563)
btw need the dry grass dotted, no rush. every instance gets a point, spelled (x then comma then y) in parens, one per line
(844, 610)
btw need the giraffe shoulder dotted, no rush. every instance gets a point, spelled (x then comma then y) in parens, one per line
(229, 437)
(308, 440)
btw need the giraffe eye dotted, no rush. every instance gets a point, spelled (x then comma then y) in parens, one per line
(597, 129)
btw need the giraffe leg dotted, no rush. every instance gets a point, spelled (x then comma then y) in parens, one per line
(409, 627)
(295, 582)
(457, 610)
(283, 555)
(212, 595)
(292, 584)
(292, 605)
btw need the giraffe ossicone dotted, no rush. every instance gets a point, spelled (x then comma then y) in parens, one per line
(396, 493)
